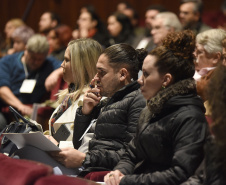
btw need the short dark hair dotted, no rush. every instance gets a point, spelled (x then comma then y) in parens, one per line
(125, 55)
(54, 17)
(198, 5)
(157, 7)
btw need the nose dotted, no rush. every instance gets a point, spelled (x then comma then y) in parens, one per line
(62, 64)
(96, 77)
(140, 80)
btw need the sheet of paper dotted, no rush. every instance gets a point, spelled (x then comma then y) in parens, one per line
(36, 139)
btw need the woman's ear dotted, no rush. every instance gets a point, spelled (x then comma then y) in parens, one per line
(167, 79)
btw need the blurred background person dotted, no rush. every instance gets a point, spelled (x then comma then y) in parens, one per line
(121, 6)
(120, 29)
(10, 26)
(20, 36)
(146, 41)
(134, 19)
(48, 21)
(191, 16)
(90, 26)
(58, 39)
(164, 23)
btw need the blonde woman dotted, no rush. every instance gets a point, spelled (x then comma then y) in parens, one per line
(79, 67)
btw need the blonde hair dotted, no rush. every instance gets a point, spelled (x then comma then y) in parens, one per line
(211, 40)
(84, 54)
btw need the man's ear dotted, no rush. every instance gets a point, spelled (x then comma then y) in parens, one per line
(167, 79)
(123, 74)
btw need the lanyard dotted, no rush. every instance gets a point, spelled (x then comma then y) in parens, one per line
(26, 72)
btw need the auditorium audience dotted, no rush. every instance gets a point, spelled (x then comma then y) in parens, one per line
(58, 39)
(120, 29)
(20, 37)
(172, 129)
(115, 117)
(25, 77)
(191, 16)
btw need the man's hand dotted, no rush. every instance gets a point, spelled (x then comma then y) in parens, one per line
(113, 178)
(91, 99)
(52, 79)
(24, 109)
(69, 157)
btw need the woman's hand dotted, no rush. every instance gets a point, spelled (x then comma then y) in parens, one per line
(91, 99)
(69, 157)
(113, 178)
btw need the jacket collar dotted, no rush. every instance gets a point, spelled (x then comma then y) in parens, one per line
(156, 104)
(124, 91)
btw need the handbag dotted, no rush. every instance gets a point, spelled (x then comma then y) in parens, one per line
(21, 125)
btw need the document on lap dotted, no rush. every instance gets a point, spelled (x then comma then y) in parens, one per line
(36, 139)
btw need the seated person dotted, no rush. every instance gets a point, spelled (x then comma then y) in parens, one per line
(20, 37)
(120, 29)
(79, 67)
(208, 55)
(213, 169)
(116, 116)
(90, 26)
(58, 39)
(172, 128)
(25, 77)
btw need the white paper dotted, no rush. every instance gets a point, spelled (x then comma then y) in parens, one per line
(36, 139)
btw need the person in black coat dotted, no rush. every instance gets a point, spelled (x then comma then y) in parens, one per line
(172, 128)
(116, 117)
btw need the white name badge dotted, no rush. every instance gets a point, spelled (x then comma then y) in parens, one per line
(27, 86)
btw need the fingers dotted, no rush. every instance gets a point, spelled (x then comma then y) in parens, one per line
(111, 178)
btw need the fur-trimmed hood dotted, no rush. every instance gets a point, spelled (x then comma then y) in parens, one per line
(176, 93)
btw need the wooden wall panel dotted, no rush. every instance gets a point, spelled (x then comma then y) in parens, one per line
(69, 9)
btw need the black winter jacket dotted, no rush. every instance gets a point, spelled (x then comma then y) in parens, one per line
(168, 146)
(115, 127)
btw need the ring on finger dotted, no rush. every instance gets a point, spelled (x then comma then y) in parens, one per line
(110, 175)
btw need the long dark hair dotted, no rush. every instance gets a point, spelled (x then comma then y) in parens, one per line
(127, 28)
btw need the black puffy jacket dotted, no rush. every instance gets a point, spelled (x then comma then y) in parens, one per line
(115, 127)
(168, 146)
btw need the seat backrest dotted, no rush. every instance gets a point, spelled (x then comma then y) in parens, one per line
(21, 172)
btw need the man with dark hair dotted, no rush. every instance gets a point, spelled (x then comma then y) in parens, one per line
(190, 16)
(48, 21)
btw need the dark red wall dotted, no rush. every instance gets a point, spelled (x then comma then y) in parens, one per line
(69, 9)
